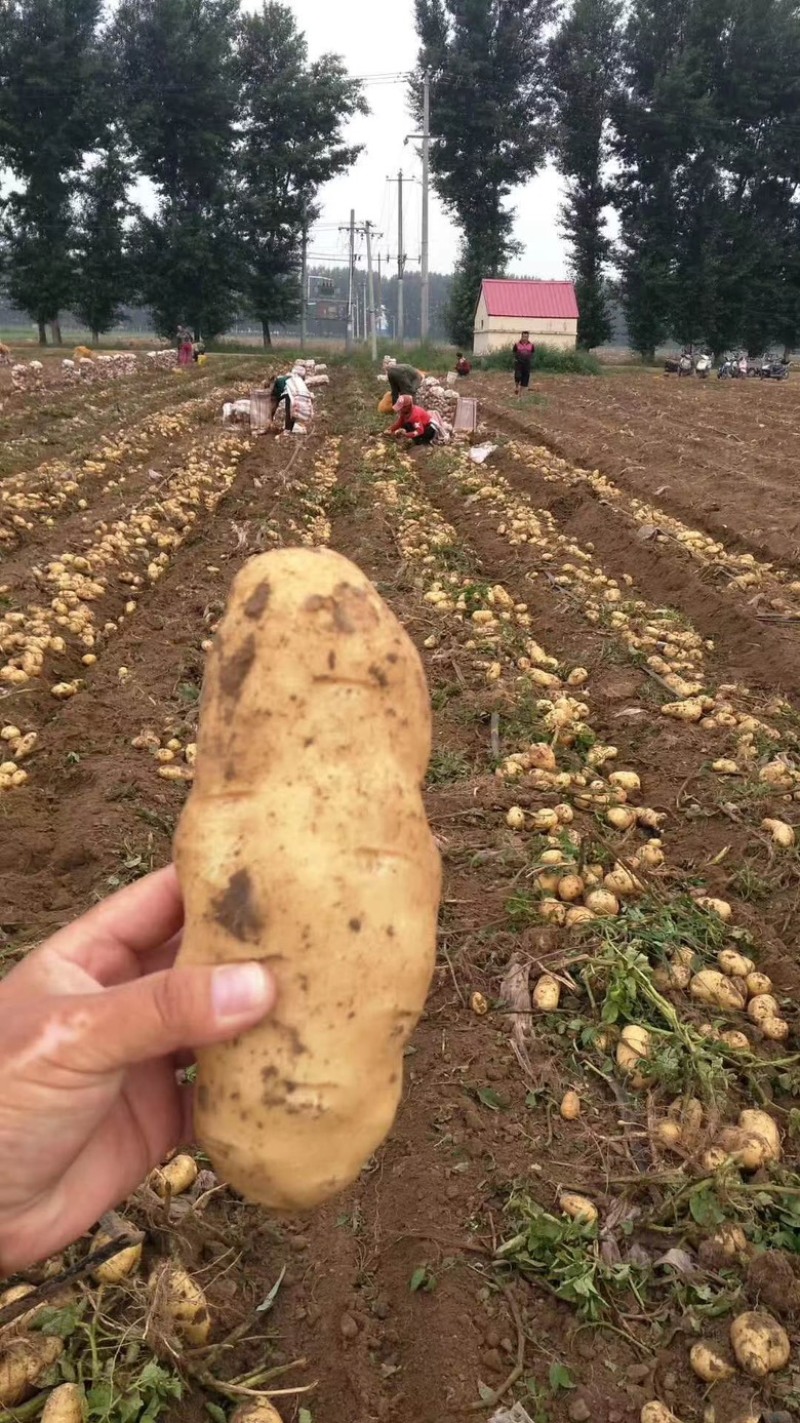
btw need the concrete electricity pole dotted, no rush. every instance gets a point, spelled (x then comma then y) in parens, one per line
(425, 293)
(373, 329)
(401, 260)
(304, 284)
(349, 340)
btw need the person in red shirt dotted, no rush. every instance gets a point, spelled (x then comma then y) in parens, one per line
(413, 423)
(463, 366)
(524, 350)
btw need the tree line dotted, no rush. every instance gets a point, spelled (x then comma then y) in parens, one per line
(221, 115)
(681, 118)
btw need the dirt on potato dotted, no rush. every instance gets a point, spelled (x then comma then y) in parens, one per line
(448, 1280)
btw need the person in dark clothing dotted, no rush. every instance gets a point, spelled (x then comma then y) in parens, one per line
(463, 366)
(403, 380)
(523, 356)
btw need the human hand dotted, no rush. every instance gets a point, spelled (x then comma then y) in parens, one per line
(92, 1024)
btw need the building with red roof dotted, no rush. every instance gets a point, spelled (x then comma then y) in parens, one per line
(508, 306)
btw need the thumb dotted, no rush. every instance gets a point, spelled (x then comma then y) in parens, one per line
(156, 1015)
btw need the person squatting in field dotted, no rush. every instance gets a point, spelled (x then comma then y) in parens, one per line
(523, 352)
(421, 427)
(96, 1025)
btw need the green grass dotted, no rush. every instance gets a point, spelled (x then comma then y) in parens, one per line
(447, 766)
(546, 358)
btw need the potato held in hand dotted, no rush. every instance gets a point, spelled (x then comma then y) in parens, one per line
(304, 843)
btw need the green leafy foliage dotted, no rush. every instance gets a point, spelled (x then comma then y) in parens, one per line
(490, 117)
(102, 277)
(422, 1279)
(546, 358)
(292, 112)
(144, 1400)
(567, 1253)
(706, 125)
(583, 64)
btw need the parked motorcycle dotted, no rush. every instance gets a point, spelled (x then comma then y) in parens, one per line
(682, 365)
(742, 366)
(726, 368)
(703, 365)
(773, 369)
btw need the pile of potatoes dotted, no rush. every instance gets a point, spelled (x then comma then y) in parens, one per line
(27, 1357)
(753, 1143)
(174, 757)
(759, 1346)
(15, 747)
(735, 986)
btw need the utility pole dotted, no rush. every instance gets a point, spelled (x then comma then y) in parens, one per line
(349, 341)
(373, 331)
(401, 259)
(304, 282)
(425, 293)
(379, 294)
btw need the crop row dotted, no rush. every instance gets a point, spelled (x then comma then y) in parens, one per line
(740, 572)
(669, 1000)
(172, 747)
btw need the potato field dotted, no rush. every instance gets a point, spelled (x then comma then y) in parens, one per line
(592, 1177)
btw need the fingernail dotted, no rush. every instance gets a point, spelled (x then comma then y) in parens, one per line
(240, 989)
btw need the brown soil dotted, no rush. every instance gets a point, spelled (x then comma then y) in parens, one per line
(95, 814)
(720, 454)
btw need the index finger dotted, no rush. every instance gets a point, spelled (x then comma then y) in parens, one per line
(108, 941)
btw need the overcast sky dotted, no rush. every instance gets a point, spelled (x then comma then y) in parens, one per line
(374, 40)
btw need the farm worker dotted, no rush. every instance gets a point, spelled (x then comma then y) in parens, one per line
(463, 366)
(198, 349)
(523, 355)
(403, 380)
(292, 392)
(421, 427)
(93, 1027)
(185, 346)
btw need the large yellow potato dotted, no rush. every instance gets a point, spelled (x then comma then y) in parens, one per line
(304, 843)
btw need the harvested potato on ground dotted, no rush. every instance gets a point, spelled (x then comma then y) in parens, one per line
(730, 1239)
(734, 964)
(760, 1343)
(304, 843)
(763, 1125)
(119, 1266)
(182, 1303)
(258, 1410)
(66, 1404)
(23, 1362)
(668, 1134)
(715, 989)
(781, 833)
(578, 1207)
(775, 1030)
(176, 1177)
(763, 1006)
(570, 1106)
(709, 1362)
(657, 1413)
(546, 994)
(602, 903)
(632, 1048)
